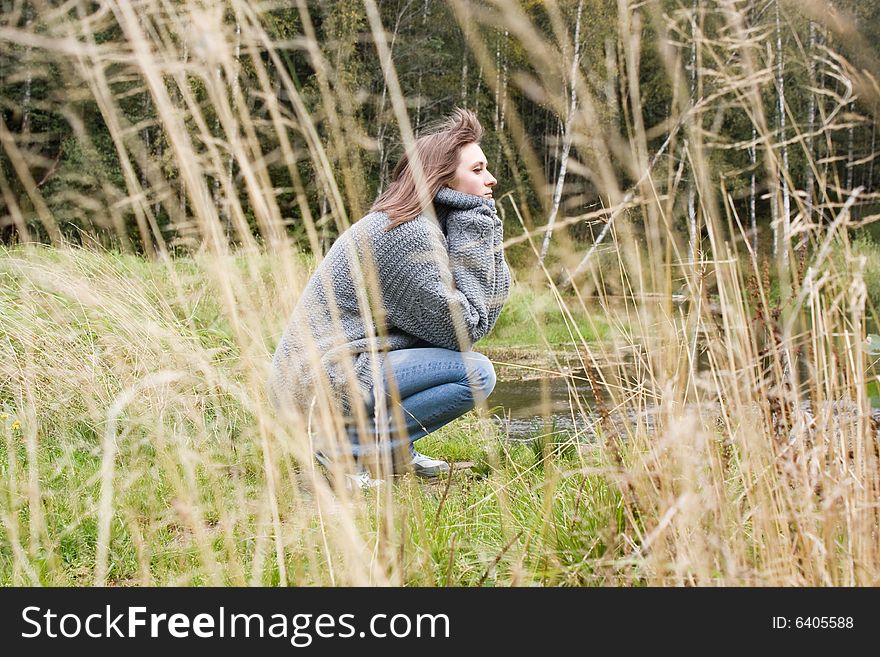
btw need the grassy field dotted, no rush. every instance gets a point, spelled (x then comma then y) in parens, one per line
(138, 448)
(108, 351)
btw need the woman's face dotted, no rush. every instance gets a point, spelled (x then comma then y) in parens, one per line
(472, 176)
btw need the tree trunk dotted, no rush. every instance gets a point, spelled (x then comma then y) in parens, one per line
(825, 145)
(692, 187)
(497, 79)
(500, 91)
(546, 150)
(384, 164)
(850, 148)
(567, 136)
(811, 122)
(782, 229)
(182, 190)
(611, 82)
(753, 217)
(325, 234)
(557, 145)
(28, 73)
(418, 122)
(478, 89)
(504, 80)
(236, 92)
(147, 136)
(464, 71)
(870, 176)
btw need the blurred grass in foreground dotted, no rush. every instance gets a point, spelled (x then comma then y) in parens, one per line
(83, 329)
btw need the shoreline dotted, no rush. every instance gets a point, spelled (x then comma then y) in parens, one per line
(525, 363)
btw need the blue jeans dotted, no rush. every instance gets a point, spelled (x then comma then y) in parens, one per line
(435, 386)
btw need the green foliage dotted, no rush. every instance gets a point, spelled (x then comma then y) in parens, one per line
(864, 246)
(861, 254)
(62, 127)
(530, 317)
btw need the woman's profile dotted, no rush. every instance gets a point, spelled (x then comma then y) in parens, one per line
(381, 339)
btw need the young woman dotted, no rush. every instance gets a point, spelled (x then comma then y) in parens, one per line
(381, 339)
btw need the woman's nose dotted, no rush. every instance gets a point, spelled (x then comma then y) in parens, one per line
(491, 182)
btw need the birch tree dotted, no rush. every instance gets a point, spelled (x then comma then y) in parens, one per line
(869, 184)
(782, 223)
(567, 136)
(235, 90)
(611, 81)
(501, 77)
(811, 119)
(236, 93)
(850, 146)
(28, 73)
(753, 216)
(692, 188)
(419, 99)
(382, 128)
(464, 72)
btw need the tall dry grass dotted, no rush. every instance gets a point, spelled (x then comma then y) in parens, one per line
(735, 439)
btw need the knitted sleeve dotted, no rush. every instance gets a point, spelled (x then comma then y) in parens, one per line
(445, 291)
(502, 274)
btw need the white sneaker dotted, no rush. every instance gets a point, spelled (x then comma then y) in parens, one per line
(360, 480)
(425, 466)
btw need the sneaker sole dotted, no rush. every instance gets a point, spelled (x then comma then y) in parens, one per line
(431, 472)
(352, 482)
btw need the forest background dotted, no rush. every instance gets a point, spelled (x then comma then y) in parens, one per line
(88, 157)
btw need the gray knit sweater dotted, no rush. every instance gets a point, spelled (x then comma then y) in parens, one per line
(433, 277)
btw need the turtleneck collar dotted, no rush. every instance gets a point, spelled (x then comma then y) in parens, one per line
(460, 200)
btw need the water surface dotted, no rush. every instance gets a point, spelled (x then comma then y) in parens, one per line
(523, 409)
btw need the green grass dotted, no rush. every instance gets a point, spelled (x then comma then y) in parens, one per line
(83, 330)
(534, 319)
(481, 514)
(866, 257)
(545, 518)
(166, 365)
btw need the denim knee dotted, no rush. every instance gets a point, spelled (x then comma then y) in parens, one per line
(483, 377)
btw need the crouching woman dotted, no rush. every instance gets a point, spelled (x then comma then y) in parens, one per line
(381, 339)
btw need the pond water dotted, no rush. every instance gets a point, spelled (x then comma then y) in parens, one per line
(523, 409)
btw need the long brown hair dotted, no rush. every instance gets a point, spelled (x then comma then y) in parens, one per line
(437, 150)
